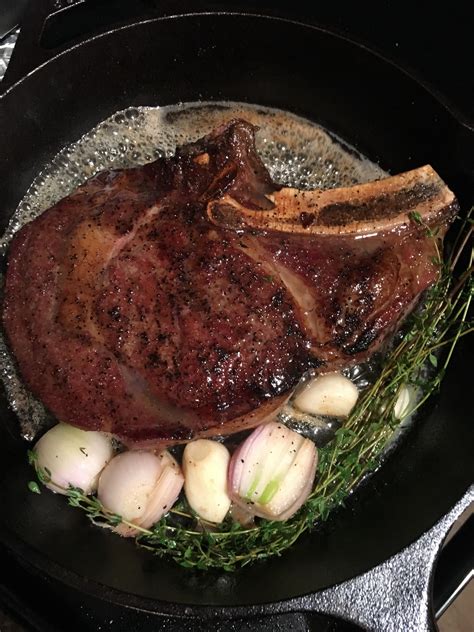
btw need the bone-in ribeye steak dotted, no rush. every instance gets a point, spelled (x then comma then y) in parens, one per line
(187, 297)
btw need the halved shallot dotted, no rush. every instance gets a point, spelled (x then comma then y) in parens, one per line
(272, 473)
(141, 487)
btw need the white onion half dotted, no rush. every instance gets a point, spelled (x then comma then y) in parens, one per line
(71, 456)
(141, 487)
(272, 473)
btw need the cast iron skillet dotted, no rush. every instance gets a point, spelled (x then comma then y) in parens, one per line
(363, 98)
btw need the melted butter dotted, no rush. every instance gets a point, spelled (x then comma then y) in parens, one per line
(297, 153)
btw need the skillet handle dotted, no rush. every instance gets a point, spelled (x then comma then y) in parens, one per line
(28, 53)
(397, 594)
(51, 26)
(455, 567)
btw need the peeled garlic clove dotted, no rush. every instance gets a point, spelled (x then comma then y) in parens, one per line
(205, 466)
(140, 487)
(272, 473)
(73, 457)
(331, 394)
(405, 402)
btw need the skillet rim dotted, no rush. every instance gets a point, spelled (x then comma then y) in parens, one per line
(226, 609)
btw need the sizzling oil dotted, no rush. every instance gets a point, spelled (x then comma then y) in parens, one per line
(296, 152)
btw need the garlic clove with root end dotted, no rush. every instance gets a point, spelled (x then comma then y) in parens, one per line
(205, 466)
(331, 394)
(141, 487)
(272, 473)
(70, 456)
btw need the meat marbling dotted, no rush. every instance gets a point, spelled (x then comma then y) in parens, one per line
(188, 296)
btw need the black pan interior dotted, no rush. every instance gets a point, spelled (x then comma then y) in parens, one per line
(354, 93)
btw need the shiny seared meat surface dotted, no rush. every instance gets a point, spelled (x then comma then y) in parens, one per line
(187, 297)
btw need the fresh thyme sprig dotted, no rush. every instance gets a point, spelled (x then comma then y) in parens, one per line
(354, 452)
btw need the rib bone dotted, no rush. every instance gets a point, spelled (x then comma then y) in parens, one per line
(384, 205)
